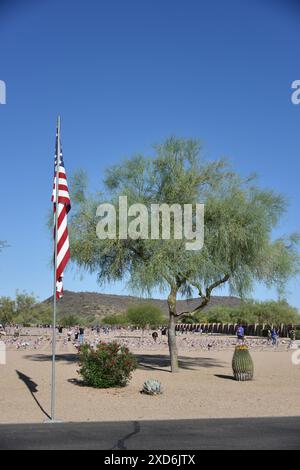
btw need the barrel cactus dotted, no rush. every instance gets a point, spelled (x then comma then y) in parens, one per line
(242, 364)
(152, 387)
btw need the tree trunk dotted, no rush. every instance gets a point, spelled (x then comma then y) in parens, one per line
(171, 331)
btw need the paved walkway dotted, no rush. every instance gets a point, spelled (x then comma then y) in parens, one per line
(254, 433)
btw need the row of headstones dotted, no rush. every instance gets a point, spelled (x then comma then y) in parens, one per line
(230, 328)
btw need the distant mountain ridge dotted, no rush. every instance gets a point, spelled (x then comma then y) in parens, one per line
(94, 303)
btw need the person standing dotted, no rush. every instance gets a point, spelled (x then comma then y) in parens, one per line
(292, 334)
(76, 334)
(155, 336)
(269, 336)
(240, 334)
(81, 335)
(164, 331)
(274, 337)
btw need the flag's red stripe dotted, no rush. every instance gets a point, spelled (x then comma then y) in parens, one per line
(63, 200)
(62, 265)
(61, 187)
(60, 175)
(61, 216)
(62, 240)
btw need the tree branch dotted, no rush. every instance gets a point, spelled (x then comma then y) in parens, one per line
(205, 300)
(193, 283)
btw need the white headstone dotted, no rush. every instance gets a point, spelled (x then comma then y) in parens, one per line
(2, 353)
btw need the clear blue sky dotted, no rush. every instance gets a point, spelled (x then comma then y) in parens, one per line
(124, 75)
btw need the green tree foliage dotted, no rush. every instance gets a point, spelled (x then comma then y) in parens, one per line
(114, 320)
(24, 309)
(142, 315)
(42, 314)
(239, 220)
(69, 320)
(249, 312)
(72, 320)
(7, 310)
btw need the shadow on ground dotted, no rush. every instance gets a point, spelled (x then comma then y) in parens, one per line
(161, 362)
(145, 361)
(68, 358)
(225, 377)
(32, 388)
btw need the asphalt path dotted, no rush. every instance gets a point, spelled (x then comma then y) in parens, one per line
(206, 434)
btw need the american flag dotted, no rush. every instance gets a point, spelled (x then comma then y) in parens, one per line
(64, 205)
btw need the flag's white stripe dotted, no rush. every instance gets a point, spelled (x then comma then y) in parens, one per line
(61, 169)
(60, 208)
(61, 229)
(61, 193)
(62, 252)
(61, 181)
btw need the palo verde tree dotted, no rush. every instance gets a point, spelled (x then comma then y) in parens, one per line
(239, 219)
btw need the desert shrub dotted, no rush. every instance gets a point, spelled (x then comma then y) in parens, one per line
(69, 320)
(109, 365)
(114, 320)
(145, 314)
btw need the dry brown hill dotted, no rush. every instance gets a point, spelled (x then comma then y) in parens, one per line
(93, 303)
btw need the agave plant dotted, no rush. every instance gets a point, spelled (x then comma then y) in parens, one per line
(152, 387)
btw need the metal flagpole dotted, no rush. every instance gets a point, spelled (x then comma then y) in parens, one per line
(55, 267)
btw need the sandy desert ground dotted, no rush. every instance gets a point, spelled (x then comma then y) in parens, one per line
(202, 389)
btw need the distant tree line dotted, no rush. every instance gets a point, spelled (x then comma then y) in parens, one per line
(140, 316)
(248, 312)
(26, 310)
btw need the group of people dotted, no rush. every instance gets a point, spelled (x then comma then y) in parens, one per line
(273, 335)
(163, 332)
(76, 333)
